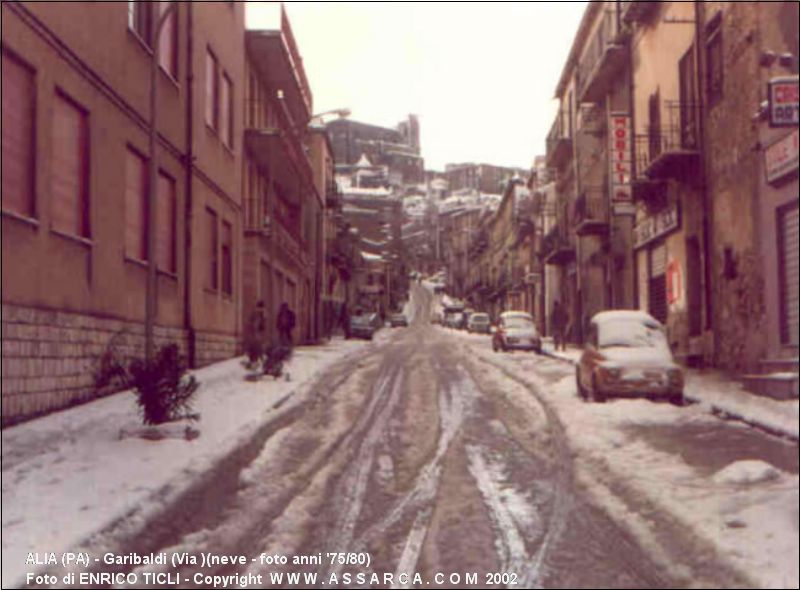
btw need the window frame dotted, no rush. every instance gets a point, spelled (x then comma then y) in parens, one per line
(212, 91)
(226, 115)
(142, 257)
(212, 278)
(715, 76)
(226, 258)
(172, 266)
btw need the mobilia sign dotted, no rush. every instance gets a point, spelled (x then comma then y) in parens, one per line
(653, 227)
(783, 102)
(621, 138)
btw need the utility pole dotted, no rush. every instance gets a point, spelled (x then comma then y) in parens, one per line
(150, 297)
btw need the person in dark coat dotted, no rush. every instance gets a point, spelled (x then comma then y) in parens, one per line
(558, 323)
(285, 324)
(257, 334)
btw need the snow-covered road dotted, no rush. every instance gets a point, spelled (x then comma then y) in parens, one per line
(436, 457)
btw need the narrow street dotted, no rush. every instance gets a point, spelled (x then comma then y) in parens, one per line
(431, 462)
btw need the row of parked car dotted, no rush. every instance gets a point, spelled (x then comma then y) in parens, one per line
(365, 325)
(626, 353)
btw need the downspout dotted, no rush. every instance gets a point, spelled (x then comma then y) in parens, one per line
(188, 206)
(708, 254)
(633, 260)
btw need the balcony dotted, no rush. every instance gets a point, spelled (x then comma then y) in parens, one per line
(559, 144)
(605, 55)
(671, 151)
(557, 248)
(638, 11)
(591, 212)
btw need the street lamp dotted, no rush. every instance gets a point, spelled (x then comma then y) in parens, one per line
(150, 296)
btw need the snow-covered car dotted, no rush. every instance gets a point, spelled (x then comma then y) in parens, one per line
(365, 325)
(454, 320)
(627, 355)
(398, 319)
(516, 331)
(479, 323)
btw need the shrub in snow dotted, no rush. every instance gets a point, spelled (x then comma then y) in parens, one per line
(163, 391)
(111, 373)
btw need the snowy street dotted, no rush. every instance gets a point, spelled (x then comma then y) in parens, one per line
(435, 456)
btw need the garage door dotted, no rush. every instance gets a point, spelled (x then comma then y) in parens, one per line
(789, 233)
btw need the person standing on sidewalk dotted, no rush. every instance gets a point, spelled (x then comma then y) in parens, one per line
(558, 323)
(285, 324)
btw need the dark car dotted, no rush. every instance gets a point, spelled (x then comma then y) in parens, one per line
(365, 325)
(398, 319)
(627, 355)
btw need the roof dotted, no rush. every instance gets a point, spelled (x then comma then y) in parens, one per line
(371, 257)
(616, 315)
(592, 8)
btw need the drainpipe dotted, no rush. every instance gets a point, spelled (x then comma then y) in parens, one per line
(188, 207)
(708, 221)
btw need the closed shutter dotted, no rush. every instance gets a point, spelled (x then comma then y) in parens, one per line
(789, 231)
(69, 170)
(18, 143)
(657, 285)
(212, 91)
(165, 224)
(135, 206)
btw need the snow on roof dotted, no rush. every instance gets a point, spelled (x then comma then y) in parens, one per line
(623, 315)
(358, 211)
(371, 257)
(371, 192)
(364, 162)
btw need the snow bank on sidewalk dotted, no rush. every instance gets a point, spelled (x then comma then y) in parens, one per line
(744, 515)
(69, 475)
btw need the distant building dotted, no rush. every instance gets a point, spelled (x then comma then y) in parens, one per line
(482, 177)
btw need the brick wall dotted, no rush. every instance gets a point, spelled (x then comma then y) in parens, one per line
(49, 358)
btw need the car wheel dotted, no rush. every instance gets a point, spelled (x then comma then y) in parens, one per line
(581, 390)
(597, 396)
(494, 346)
(677, 399)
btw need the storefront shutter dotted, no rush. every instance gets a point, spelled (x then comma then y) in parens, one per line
(657, 287)
(69, 168)
(791, 244)
(17, 137)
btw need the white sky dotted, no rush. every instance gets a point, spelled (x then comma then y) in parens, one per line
(481, 76)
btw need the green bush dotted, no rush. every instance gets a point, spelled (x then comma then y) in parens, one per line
(162, 389)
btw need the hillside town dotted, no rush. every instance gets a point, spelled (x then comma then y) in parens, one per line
(456, 372)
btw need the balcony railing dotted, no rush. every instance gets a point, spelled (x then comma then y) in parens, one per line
(591, 212)
(636, 11)
(671, 150)
(557, 247)
(559, 144)
(605, 55)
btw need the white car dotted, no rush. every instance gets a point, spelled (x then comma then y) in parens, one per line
(516, 331)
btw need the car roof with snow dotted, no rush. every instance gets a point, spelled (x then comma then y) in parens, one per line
(624, 315)
(516, 314)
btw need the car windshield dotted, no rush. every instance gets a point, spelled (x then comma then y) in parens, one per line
(518, 323)
(631, 334)
(361, 320)
(480, 319)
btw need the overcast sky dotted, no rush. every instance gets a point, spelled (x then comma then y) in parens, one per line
(481, 76)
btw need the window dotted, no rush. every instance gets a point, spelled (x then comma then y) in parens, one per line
(226, 114)
(714, 65)
(227, 258)
(212, 280)
(135, 206)
(212, 91)
(140, 20)
(70, 168)
(165, 224)
(18, 116)
(168, 43)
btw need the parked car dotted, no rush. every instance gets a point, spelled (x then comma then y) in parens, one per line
(398, 319)
(516, 331)
(365, 325)
(479, 323)
(627, 355)
(454, 320)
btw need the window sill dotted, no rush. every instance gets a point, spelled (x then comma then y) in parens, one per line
(137, 262)
(31, 221)
(168, 274)
(73, 238)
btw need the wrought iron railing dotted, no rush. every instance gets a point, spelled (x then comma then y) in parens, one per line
(606, 35)
(679, 134)
(591, 206)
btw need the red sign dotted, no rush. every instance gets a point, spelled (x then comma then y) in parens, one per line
(781, 158)
(783, 102)
(620, 153)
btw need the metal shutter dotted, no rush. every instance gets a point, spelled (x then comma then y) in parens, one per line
(657, 287)
(69, 168)
(135, 206)
(17, 137)
(789, 230)
(165, 224)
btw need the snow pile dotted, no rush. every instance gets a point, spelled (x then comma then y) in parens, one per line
(70, 475)
(747, 473)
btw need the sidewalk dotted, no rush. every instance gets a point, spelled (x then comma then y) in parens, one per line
(71, 475)
(724, 396)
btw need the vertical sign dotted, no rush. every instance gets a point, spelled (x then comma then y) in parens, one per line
(621, 150)
(783, 102)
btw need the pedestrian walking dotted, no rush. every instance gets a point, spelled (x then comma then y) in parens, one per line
(257, 333)
(285, 324)
(558, 323)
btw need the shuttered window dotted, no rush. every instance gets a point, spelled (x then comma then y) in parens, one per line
(70, 168)
(165, 224)
(657, 286)
(135, 206)
(18, 137)
(212, 243)
(227, 258)
(226, 112)
(168, 43)
(212, 91)
(790, 278)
